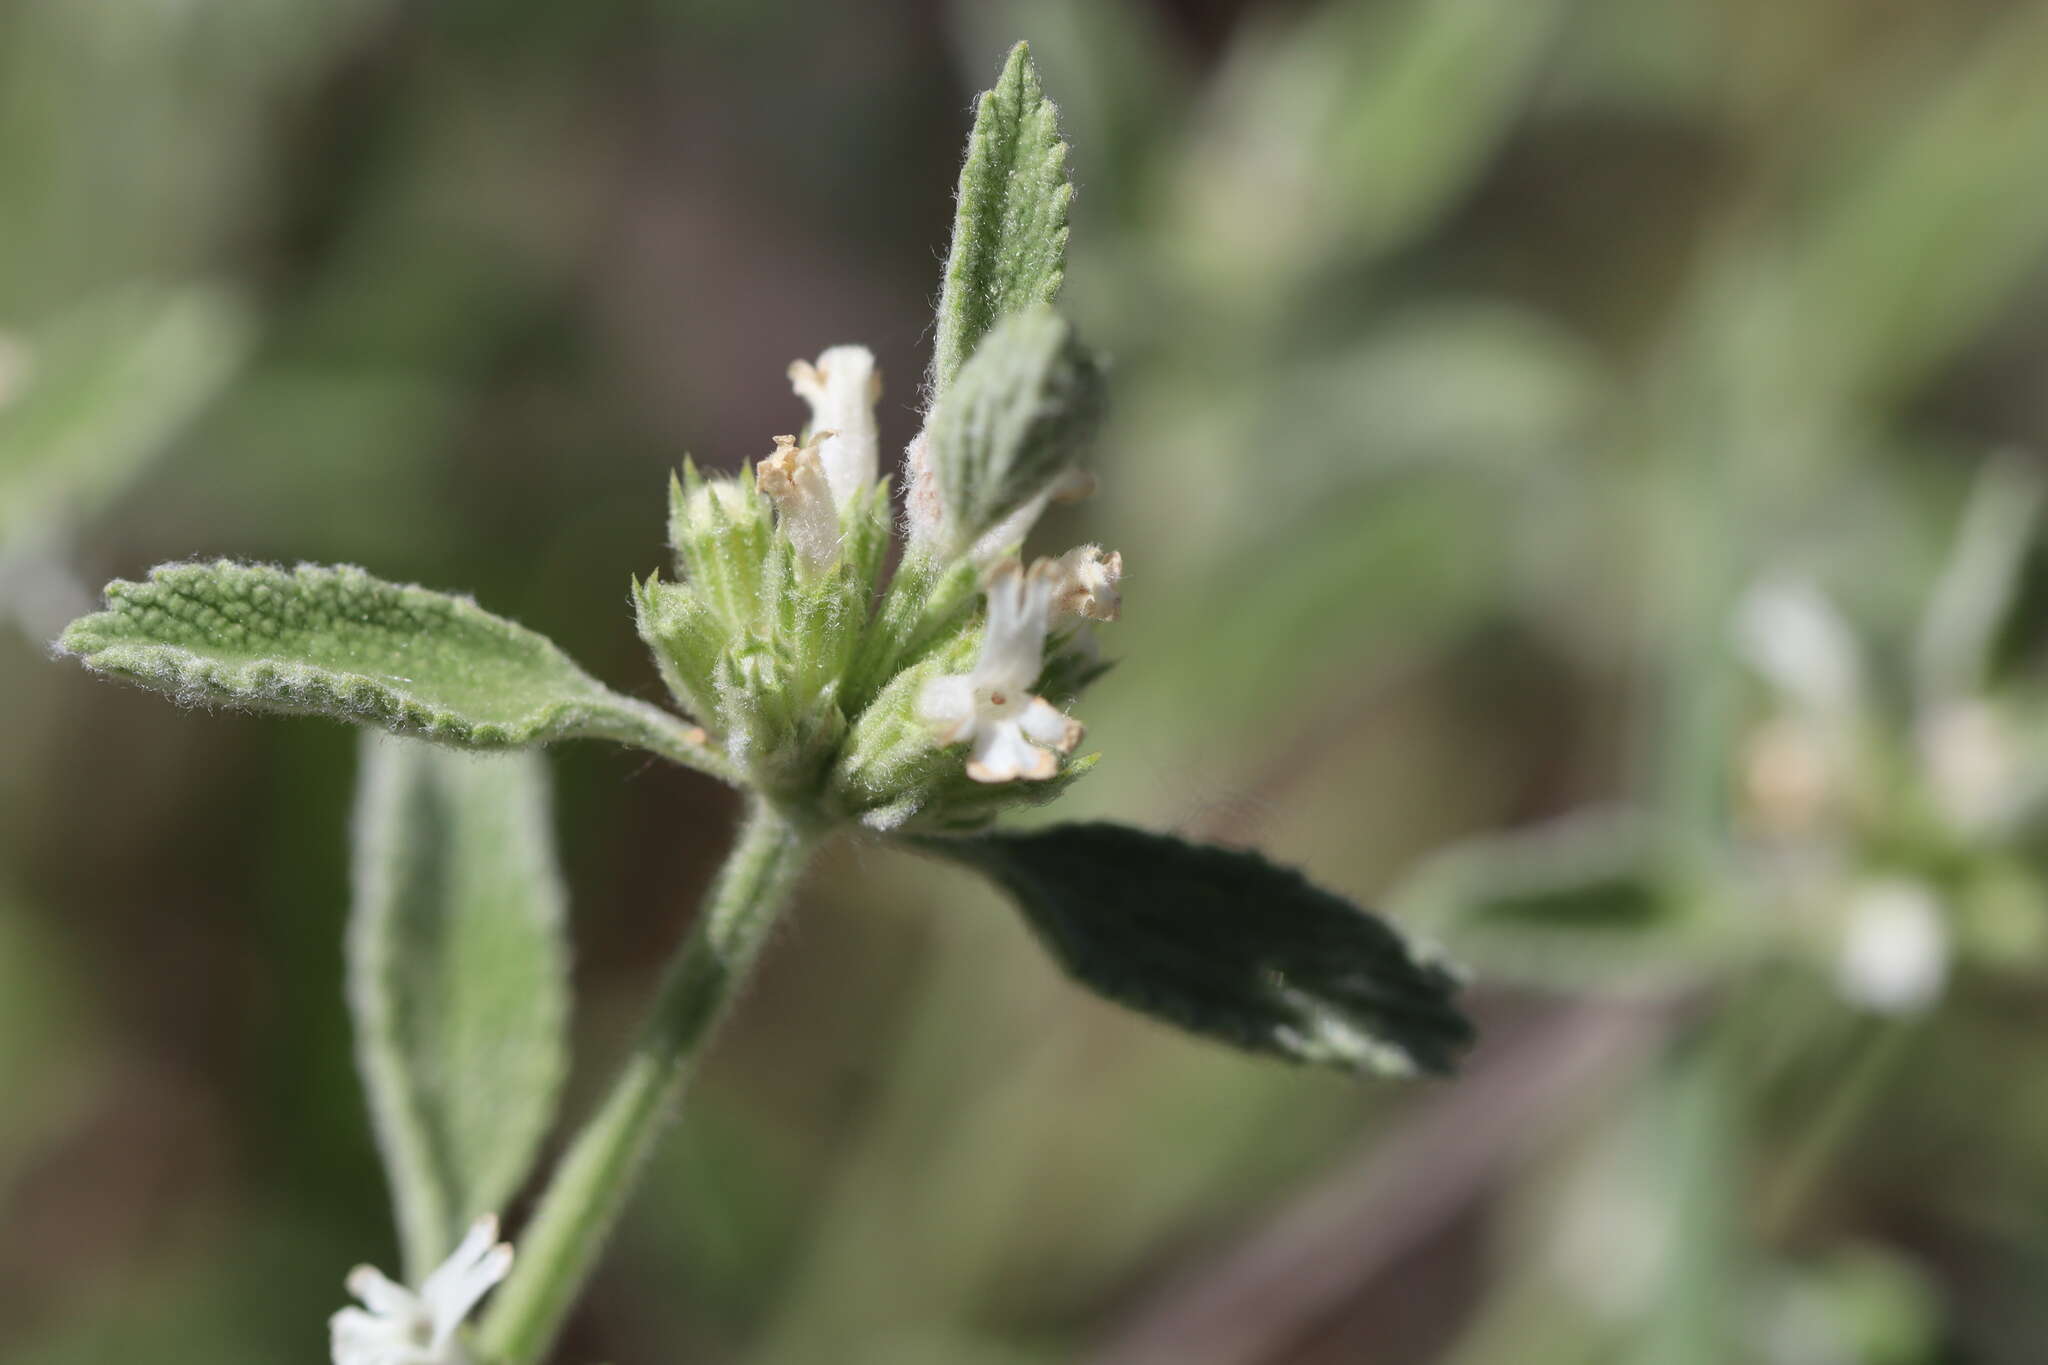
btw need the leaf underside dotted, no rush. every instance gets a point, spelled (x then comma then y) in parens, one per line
(1019, 414)
(334, 641)
(458, 979)
(1010, 222)
(1224, 943)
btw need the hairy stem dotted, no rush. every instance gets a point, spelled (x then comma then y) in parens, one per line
(560, 1247)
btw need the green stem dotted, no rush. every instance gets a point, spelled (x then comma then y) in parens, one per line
(1856, 1088)
(559, 1248)
(642, 726)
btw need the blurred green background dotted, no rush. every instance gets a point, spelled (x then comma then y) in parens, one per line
(1504, 388)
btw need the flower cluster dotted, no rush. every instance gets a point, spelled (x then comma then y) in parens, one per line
(888, 698)
(1887, 833)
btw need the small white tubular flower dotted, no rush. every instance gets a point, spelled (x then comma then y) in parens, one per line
(842, 389)
(1792, 635)
(1894, 953)
(794, 479)
(1013, 733)
(1085, 584)
(398, 1327)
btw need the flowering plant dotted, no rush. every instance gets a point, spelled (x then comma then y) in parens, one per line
(920, 704)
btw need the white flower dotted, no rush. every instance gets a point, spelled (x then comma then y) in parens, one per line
(842, 389)
(1086, 584)
(398, 1327)
(794, 479)
(1790, 775)
(1014, 734)
(1894, 953)
(1793, 636)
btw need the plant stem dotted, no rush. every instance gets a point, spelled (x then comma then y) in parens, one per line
(560, 1247)
(1858, 1084)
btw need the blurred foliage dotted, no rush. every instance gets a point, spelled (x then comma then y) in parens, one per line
(1475, 362)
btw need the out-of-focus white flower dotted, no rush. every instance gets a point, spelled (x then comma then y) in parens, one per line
(1086, 584)
(1013, 733)
(1969, 753)
(395, 1326)
(1789, 777)
(1792, 635)
(1894, 951)
(842, 388)
(795, 481)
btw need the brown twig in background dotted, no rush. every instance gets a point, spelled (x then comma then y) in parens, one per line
(1273, 1286)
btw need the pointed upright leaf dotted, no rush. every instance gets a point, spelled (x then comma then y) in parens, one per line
(1224, 943)
(458, 979)
(337, 642)
(1010, 224)
(1982, 587)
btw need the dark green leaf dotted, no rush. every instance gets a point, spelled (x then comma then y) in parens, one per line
(1224, 943)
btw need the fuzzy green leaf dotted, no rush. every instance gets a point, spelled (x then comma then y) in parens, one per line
(1014, 423)
(1224, 943)
(458, 979)
(1010, 224)
(336, 642)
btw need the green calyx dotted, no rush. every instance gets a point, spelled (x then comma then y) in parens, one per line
(811, 680)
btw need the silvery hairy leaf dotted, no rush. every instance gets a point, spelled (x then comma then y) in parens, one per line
(458, 979)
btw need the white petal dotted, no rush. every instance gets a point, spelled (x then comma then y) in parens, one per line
(476, 1243)
(1013, 647)
(947, 705)
(842, 389)
(1044, 723)
(1894, 955)
(380, 1294)
(1085, 583)
(356, 1338)
(455, 1288)
(1793, 636)
(795, 480)
(1002, 754)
